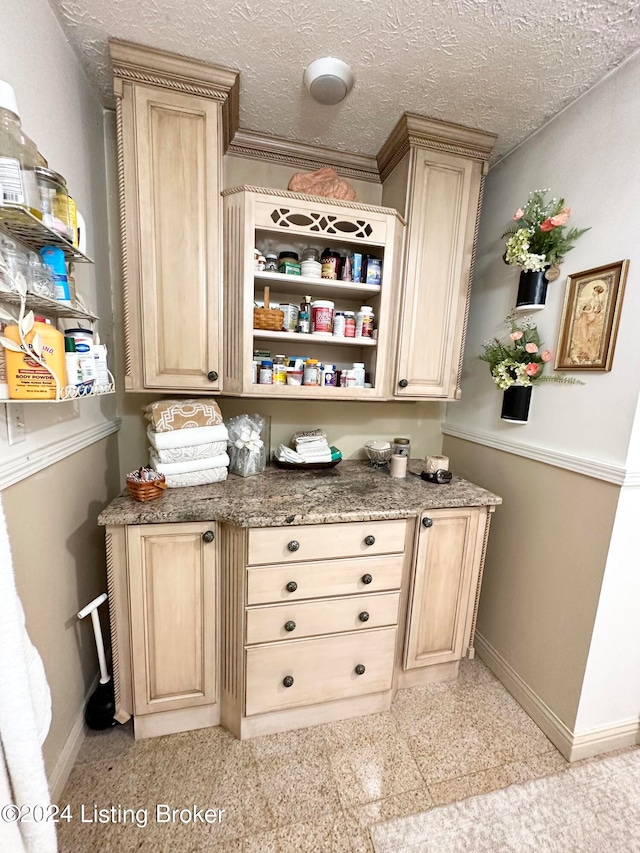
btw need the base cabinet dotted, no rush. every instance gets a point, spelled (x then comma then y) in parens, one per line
(311, 623)
(444, 584)
(166, 653)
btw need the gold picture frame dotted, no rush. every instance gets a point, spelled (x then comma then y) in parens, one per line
(590, 318)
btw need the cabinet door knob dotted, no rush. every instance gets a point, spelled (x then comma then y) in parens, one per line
(292, 586)
(364, 616)
(287, 680)
(293, 545)
(360, 669)
(212, 376)
(366, 578)
(289, 626)
(208, 536)
(403, 383)
(369, 540)
(427, 522)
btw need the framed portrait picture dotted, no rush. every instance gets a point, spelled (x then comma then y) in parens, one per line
(590, 318)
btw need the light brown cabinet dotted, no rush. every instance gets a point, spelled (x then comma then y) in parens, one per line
(274, 220)
(173, 117)
(163, 584)
(444, 588)
(433, 172)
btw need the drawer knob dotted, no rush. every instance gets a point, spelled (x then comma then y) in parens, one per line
(288, 681)
(403, 383)
(360, 669)
(208, 536)
(289, 626)
(369, 540)
(212, 376)
(292, 586)
(364, 616)
(427, 522)
(293, 545)
(366, 578)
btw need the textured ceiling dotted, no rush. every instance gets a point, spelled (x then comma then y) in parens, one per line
(504, 66)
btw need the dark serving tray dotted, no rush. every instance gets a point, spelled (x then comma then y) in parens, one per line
(305, 466)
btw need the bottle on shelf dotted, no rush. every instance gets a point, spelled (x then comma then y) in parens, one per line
(18, 157)
(304, 317)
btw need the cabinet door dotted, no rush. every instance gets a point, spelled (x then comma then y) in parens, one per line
(444, 192)
(172, 590)
(444, 580)
(177, 151)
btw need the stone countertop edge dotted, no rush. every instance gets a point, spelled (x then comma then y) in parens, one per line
(352, 491)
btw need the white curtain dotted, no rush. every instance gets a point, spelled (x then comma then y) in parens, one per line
(25, 716)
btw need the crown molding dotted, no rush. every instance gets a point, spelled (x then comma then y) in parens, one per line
(616, 474)
(260, 146)
(419, 131)
(136, 63)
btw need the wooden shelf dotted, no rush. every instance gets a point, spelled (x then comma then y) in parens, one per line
(303, 285)
(312, 340)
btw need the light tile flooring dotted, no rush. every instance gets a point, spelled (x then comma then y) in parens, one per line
(318, 789)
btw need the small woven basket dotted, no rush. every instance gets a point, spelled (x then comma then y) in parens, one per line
(268, 319)
(146, 490)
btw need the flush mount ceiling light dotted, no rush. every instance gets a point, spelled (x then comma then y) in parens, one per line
(329, 80)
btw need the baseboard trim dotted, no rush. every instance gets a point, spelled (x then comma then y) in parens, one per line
(573, 747)
(616, 474)
(41, 458)
(67, 758)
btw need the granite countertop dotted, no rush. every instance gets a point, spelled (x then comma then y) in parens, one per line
(352, 491)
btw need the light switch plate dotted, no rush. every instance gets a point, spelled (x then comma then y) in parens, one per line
(16, 430)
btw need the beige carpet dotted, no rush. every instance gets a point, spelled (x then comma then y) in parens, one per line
(594, 808)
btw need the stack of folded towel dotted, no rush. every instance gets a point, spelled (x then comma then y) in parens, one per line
(312, 446)
(188, 441)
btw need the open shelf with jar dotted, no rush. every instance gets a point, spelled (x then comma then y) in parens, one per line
(275, 221)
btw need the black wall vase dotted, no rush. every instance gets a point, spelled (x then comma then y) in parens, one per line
(515, 404)
(532, 290)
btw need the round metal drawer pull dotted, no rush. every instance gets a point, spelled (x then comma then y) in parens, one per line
(369, 540)
(293, 545)
(360, 669)
(403, 383)
(364, 616)
(208, 536)
(292, 586)
(366, 578)
(289, 626)
(212, 376)
(427, 522)
(288, 681)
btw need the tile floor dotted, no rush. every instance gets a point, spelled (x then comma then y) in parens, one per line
(318, 789)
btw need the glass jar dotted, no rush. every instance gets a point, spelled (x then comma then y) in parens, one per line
(402, 446)
(271, 263)
(18, 157)
(310, 254)
(54, 202)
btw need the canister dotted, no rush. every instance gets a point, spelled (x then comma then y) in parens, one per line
(311, 372)
(322, 317)
(402, 446)
(331, 264)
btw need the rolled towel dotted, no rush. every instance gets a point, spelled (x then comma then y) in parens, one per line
(168, 415)
(221, 461)
(197, 478)
(193, 451)
(187, 437)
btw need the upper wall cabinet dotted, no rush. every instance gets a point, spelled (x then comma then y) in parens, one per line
(433, 173)
(175, 116)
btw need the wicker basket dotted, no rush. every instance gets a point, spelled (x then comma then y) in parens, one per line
(268, 319)
(146, 490)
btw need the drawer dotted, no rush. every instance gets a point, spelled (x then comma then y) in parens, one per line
(312, 618)
(322, 670)
(325, 541)
(267, 584)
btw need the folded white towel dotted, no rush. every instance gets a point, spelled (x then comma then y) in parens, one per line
(185, 437)
(321, 457)
(286, 454)
(309, 453)
(193, 451)
(221, 461)
(197, 478)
